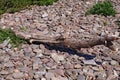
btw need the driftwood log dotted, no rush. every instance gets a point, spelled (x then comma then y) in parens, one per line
(79, 43)
(74, 41)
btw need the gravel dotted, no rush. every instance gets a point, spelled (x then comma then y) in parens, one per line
(43, 62)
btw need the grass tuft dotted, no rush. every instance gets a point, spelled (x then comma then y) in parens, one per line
(104, 8)
(15, 41)
(12, 6)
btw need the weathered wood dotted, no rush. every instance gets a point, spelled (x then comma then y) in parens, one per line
(74, 41)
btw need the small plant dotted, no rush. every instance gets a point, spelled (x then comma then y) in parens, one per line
(24, 28)
(104, 8)
(15, 41)
(12, 6)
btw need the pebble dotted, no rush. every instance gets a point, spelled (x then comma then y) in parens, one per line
(59, 72)
(57, 58)
(39, 74)
(71, 73)
(37, 51)
(68, 66)
(39, 55)
(81, 77)
(6, 42)
(33, 46)
(37, 61)
(77, 66)
(9, 64)
(36, 76)
(62, 78)
(35, 65)
(43, 79)
(89, 62)
(54, 78)
(18, 75)
(95, 68)
(49, 75)
(4, 72)
(44, 15)
(50, 64)
(9, 77)
(101, 77)
(114, 63)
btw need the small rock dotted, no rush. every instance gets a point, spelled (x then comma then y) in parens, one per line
(27, 62)
(107, 58)
(27, 51)
(6, 58)
(90, 62)
(9, 64)
(42, 47)
(59, 72)
(17, 19)
(40, 73)
(16, 70)
(36, 76)
(37, 50)
(81, 58)
(54, 78)
(35, 65)
(57, 58)
(81, 77)
(44, 15)
(77, 66)
(95, 68)
(100, 77)
(50, 64)
(117, 68)
(26, 75)
(43, 79)
(4, 72)
(9, 46)
(5, 43)
(61, 58)
(34, 46)
(68, 12)
(18, 75)
(45, 60)
(68, 66)
(46, 53)
(72, 73)
(113, 62)
(85, 69)
(9, 77)
(90, 72)
(39, 55)
(49, 75)
(62, 78)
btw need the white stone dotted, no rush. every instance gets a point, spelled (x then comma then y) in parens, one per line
(43, 79)
(91, 62)
(57, 58)
(44, 15)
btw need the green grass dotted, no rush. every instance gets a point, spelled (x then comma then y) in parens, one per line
(12, 6)
(15, 41)
(104, 8)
